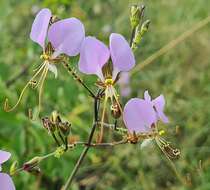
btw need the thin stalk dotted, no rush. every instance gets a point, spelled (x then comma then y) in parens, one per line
(88, 145)
(77, 78)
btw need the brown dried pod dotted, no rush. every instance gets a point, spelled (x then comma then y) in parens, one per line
(116, 110)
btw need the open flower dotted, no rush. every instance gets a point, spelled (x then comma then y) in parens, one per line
(6, 182)
(158, 104)
(124, 83)
(95, 59)
(141, 115)
(56, 38)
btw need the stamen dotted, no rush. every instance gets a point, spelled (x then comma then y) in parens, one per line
(109, 82)
(6, 105)
(102, 118)
(41, 86)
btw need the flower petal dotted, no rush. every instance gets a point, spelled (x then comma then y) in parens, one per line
(40, 26)
(6, 182)
(53, 69)
(146, 143)
(4, 156)
(124, 83)
(159, 104)
(147, 97)
(122, 56)
(67, 36)
(139, 115)
(94, 54)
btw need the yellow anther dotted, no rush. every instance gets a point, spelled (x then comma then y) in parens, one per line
(109, 82)
(161, 132)
(45, 56)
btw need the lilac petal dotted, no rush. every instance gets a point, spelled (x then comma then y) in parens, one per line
(4, 156)
(124, 83)
(6, 182)
(147, 97)
(139, 115)
(94, 54)
(40, 26)
(159, 104)
(67, 36)
(121, 53)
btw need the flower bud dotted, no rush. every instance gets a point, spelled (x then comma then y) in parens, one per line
(28, 166)
(13, 168)
(59, 151)
(55, 117)
(145, 27)
(140, 31)
(135, 15)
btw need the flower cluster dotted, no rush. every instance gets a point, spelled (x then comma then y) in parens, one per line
(61, 39)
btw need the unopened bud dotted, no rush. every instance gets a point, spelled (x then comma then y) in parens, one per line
(145, 27)
(32, 163)
(136, 13)
(55, 117)
(141, 30)
(13, 168)
(59, 151)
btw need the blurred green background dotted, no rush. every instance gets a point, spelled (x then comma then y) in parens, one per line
(182, 75)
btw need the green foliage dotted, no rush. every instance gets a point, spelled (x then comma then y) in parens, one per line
(182, 75)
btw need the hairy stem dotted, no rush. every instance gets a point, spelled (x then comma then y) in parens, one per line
(77, 78)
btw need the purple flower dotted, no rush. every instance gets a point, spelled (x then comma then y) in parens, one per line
(158, 104)
(6, 182)
(124, 83)
(94, 55)
(141, 114)
(61, 37)
(66, 35)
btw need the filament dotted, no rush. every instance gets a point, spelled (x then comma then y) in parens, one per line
(6, 108)
(102, 118)
(41, 86)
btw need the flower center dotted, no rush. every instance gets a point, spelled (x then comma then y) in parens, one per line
(45, 57)
(109, 82)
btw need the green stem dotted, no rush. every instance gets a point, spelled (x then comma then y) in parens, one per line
(88, 144)
(77, 78)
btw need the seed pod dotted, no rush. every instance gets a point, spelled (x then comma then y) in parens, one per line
(65, 128)
(48, 124)
(115, 110)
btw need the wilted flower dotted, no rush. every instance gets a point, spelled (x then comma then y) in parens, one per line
(141, 115)
(56, 38)
(6, 182)
(94, 59)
